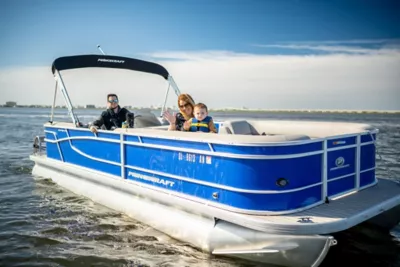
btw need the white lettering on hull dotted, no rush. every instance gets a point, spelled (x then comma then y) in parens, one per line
(151, 179)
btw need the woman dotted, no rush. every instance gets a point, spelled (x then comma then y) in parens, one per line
(186, 105)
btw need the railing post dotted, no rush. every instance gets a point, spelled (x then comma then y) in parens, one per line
(122, 155)
(325, 171)
(358, 161)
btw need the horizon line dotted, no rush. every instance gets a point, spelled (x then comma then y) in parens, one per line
(226, 109)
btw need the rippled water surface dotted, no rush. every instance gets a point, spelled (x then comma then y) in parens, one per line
(42, 224)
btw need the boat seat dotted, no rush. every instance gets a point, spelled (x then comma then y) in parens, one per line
(146, 120)
(243, 127)
(238, 127)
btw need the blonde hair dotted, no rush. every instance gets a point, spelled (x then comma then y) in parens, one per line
(201, 106)
(189, 100)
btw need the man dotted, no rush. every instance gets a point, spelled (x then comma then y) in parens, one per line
(114, 116)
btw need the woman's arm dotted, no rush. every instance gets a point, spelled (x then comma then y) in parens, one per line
(172, 119)
(172, 127)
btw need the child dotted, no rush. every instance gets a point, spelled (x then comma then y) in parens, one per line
(201, 121)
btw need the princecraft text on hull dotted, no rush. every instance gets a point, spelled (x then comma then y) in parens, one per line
(262, 190)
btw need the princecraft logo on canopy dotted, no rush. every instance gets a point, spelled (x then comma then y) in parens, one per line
(110, 60)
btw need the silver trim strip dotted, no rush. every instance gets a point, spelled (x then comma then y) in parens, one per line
(367, 170)
(340, 148)
(202, 152)
(223, 206)
(90, 138)
(354, 190)
(226, 155)
(350, 174)
(86, 155)
(217, 141)
(369, 185)
(351, 135)
(58, 144)
(366, 143)
(211, 147)
(350, 146)
(341, 177)
(214, 185)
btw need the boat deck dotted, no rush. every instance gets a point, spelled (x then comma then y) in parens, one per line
(337, 215)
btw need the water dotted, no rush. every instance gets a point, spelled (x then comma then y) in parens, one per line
(42, 224)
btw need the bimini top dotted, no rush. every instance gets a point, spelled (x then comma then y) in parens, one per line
(103, 61)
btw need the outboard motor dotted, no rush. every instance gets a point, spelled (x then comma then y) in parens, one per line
(130, 120)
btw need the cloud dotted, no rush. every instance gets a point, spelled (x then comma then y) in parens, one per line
(378, 46)
(228, 79)
(351, 41)
(331, 81)
(197, 55)
(331, 49)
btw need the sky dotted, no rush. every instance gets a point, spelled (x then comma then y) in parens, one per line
(268, 54)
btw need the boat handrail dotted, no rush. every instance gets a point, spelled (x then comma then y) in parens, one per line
(39, 145)
(225, 139)
(313, 129)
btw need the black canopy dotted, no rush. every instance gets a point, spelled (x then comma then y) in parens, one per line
(100, 61)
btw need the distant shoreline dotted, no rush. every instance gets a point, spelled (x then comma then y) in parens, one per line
(309, 111)
(240, 110)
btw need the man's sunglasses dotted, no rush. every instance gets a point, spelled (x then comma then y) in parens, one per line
(186, 105)
(113, 101)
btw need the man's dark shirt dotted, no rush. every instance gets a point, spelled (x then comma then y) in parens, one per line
(109, 118)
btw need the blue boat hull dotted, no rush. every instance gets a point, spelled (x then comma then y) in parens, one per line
(239, 177)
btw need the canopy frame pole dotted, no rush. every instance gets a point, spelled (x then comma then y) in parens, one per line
(174, 86)
(165, 100)
(64, 92)
(54, 104)
(101, 50)
(171, 83)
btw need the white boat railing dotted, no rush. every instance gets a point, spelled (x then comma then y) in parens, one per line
(325, 172)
